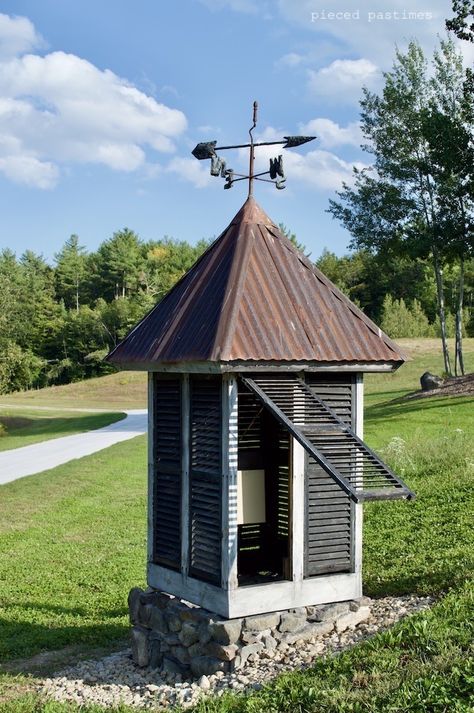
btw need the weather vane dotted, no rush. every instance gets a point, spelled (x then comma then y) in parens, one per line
(219, 166)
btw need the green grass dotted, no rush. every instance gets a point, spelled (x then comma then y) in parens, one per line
(74, 547)
(122, 390)
(76, 544)
(25, 426)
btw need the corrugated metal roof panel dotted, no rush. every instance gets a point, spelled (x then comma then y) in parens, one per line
(254, 297)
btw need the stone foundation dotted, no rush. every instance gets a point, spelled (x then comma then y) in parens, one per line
(178, 637)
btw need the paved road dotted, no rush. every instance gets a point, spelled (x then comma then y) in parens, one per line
(28, 460)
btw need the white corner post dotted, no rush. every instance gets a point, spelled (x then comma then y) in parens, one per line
(151, 464)
(298, 514)
(358, 425)
(185, 429)
(229, 484)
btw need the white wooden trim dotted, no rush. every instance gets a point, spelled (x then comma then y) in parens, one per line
(358, 508)
(151, 466)
(185, 473)
(191, 590)
(277, 596)
(297, 520)
(224, 367)
(229, 471)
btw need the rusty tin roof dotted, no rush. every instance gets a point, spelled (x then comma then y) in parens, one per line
(253, 297)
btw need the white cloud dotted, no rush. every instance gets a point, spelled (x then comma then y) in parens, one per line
(192, 170)
(319, 169)
(292, 59)
(330, 134)
(343, 79)
(373, 39)
(17, 35)
(29, 171)
(59, 108)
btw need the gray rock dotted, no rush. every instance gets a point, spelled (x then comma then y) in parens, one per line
(351, 619)
(197, 649)
(172, 639)
(327, 612)
(356, 604)
(260, 622)
(172, 619)
(309, 631)
(247, 651)
(140, 646)
(248, 637)
(291, 622)
(181, 654)
(204, 683)
(157, 621)
(144, 614)
(226, 631)
(430, 381)
(206, 666)
(156, 654)
(270, 643)
(163, 600)
(219, 651)
(205, 633)
(134, 604)
(189, 633)
(170, 666)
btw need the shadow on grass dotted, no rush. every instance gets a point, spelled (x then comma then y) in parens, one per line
(23, 639)
(399, 407)
(58, 425)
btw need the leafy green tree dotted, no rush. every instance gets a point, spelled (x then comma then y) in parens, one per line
(120, 263)
(395, 207)
(71, 272)
(167, 261)
(19, 369)
(402, 320)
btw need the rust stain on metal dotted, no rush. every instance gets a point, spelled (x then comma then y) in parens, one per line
(254, 297)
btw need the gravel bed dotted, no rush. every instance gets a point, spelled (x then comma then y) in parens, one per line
(115, 679)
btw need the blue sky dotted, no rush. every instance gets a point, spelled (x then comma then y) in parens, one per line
(102, 102)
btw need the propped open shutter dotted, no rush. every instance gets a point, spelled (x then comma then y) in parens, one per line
(205, 497)
(167, 480)
(331, 442)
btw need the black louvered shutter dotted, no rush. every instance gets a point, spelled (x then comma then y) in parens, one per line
(168, 479)
(328, 508)
(205, 497)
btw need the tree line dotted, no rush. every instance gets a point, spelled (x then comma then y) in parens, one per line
(57, 322)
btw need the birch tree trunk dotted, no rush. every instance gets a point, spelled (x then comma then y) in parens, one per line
(442, 310)
(459, 357)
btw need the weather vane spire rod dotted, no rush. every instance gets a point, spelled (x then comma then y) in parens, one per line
(252, 149)
(206, 150)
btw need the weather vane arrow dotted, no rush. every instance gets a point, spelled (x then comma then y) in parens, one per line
(208, 150)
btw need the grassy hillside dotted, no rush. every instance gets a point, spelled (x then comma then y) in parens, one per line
(123, 390)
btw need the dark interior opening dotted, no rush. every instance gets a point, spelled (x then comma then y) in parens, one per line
(264, 553)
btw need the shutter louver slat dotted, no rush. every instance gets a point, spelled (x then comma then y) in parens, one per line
(205, 499)
(360, 473)
(167, 478)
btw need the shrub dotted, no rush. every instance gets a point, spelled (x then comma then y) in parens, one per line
(20, 369)
(402, 320)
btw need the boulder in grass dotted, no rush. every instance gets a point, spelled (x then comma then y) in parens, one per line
(430, 381)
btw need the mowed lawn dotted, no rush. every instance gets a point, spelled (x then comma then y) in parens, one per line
(73, 543)
(22, 426)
